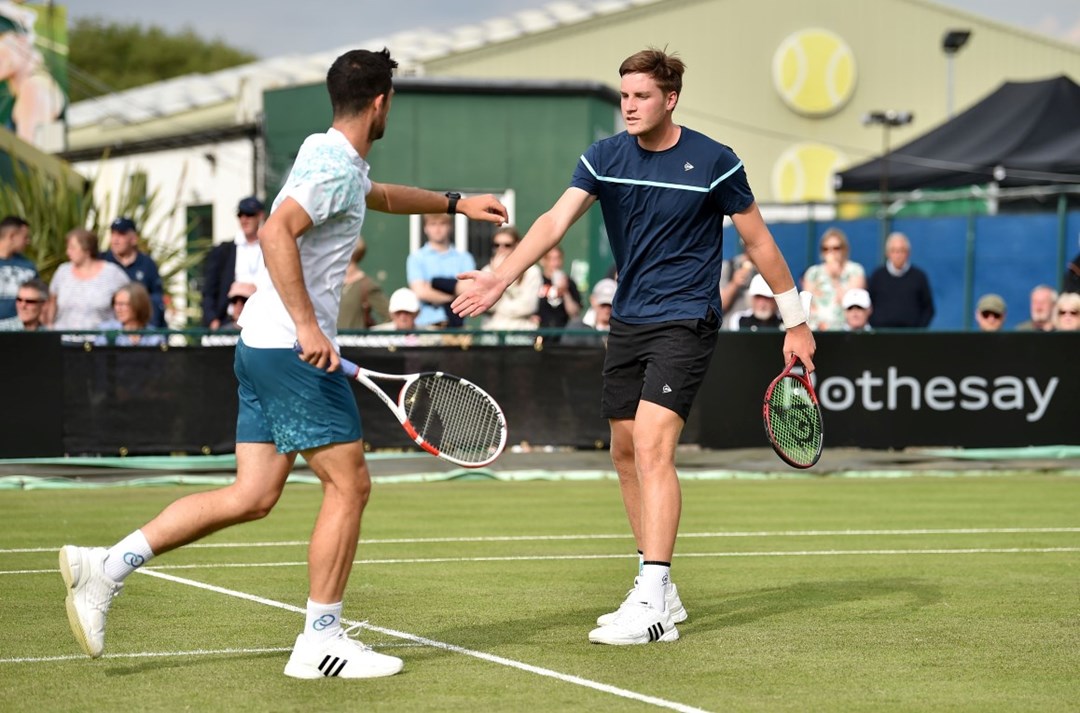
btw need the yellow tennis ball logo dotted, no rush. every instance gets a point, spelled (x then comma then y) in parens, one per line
(804, 172)
(814, 72)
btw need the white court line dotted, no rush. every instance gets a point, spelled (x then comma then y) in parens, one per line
(540, 558)
(502, 661)
(624, 536)
(170, 654)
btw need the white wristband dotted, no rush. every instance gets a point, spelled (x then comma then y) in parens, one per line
(790, 308)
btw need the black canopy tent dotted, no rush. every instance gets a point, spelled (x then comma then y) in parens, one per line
(1023, 134)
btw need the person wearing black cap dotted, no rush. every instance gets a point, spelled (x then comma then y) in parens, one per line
(140, 267)
(238, 260)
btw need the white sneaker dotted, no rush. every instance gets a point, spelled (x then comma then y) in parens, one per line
(637, 623)
(342, 656)
(90, 594)
(671, 601)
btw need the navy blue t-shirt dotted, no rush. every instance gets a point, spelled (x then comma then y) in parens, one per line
(664, 213)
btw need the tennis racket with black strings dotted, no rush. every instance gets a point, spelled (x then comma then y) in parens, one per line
(792, 413)
(446, 415)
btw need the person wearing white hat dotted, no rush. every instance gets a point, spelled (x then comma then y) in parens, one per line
(761, 314)
(404, 306)
(857, 310)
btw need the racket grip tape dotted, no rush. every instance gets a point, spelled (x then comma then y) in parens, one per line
(347, 367)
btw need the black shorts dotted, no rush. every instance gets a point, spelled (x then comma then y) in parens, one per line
(664, 363)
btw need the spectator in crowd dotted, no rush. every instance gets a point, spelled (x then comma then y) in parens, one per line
(516, 309)
(1067, 312)
(237, 260)
(1071, 281)
(598, 318)
(239, 294)
(404, 306)
(761, 314)
(828, 280)
(559, 298)
(14, 268)
(1043, 298)
(735, 277)
(900, 292)
(140, 267)
(81, 291)
(131, 314)
(432, 272)
(21, 234)
(29, 308)
(990, 313)
(858, 310)
(363, 302)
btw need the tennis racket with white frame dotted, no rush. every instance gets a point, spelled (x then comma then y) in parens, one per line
(446, 415)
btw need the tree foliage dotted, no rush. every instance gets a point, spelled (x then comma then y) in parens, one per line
(106, 56)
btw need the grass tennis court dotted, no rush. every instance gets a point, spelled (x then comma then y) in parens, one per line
(920, 593)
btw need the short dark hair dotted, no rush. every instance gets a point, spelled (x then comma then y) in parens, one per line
(665, 69)
(11, 223)
(357, 77)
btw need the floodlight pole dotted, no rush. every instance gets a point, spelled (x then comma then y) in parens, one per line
(887, 120)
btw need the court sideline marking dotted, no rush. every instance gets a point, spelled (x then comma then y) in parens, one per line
(483, 656)
(624, 536)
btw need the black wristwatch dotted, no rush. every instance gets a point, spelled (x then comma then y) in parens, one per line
(454, 198)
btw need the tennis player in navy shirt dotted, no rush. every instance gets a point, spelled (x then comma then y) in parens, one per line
(664, 190)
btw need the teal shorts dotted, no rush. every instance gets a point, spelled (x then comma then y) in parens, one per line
(290, 403)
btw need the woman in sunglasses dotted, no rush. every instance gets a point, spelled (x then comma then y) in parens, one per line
(516, 309)
(830, 279)
(1067, 312)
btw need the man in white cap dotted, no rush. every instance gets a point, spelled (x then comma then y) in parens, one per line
(404, 306)
(598, 317)
(761, 314)
(857, 310)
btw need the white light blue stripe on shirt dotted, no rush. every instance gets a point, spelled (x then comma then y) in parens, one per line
(660, 184)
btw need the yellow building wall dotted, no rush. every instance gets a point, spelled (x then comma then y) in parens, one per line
(729, 93)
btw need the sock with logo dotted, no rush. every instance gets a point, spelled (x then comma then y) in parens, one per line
(128, 555)
(652, 584)
(323, 621)
(640, 561)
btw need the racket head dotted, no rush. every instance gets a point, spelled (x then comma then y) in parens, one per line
(453, 418)
(792, 417)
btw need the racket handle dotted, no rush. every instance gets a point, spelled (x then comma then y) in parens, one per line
(347, 367)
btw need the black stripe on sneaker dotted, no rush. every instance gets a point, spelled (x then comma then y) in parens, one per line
(337, 671)
(322, 664)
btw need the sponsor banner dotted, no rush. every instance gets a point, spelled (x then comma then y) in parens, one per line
(896, 390)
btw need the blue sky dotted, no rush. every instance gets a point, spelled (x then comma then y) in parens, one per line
(272, 28)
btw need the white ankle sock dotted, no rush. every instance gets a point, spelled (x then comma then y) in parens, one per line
(640, 561)
(652, 584)
(128, 555)
(323, 621)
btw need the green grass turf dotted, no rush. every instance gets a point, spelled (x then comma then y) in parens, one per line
(812, 629)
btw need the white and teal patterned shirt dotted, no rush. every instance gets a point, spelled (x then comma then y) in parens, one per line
(330, 182)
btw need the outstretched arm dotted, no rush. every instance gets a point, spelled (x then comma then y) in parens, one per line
(406, 200)
(544, 234)
(762, 251)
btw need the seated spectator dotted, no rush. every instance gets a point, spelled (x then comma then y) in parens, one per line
(140, 267)
(239, 294)
(761, 314)
(598, 318)
(1071, 281)
(900, 291)
(21, 234)
(363, 302)
(236, 260)
(81, 291)
(1043, 298)
(857, 310)
(516, 309)
(735, 276)
(131, 309)
(432, 272)
(29, 308)
(1067, 312)
(559, 298)
(404, 307)
(990, 313)
(14, 268)
(830, 279)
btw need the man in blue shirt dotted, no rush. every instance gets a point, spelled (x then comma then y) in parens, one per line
(140, 267)
(664, 191)
(14, 268)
